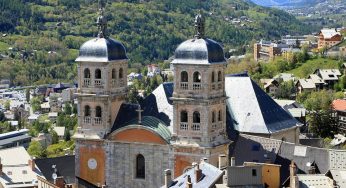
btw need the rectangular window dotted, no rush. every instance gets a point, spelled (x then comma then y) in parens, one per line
(254, 172)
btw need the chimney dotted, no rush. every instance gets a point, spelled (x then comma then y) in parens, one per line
(0, 167)
(232, 161)
(294, 182)
(31, 163)
(188, 182)
(222, 161)
(198, 173)
(312, 169)
(168, 178)
(59, 182)
(204, 160)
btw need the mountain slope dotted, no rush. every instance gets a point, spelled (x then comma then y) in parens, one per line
(150, 30)
(286, 3)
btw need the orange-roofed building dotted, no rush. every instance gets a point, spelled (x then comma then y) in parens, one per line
(339, 106)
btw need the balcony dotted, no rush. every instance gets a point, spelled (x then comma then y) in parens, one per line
(87, 120)
(196, 126)
(98, 82)
(114, 82)
(86, 82)
(214, 125)
(122, 82)
(184, 126)
(196, 86)
(213, 86)
(184, 85)
(219, 85)
(98, 120)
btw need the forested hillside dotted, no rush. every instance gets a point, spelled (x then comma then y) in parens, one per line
(45, 34)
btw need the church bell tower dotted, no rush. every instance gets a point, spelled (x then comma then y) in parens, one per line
(102, 85)
(199, 100)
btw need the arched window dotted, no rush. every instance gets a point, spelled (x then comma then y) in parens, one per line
(184, 76)
(140, 166)
(86, 73)
(212, 77)
(220, 117)
(98, 111)
(197, 77)
(121, 73)
(183, 116)
(114, 76)
(86, 110)
(213, 117)
(196, 117)
(219, 76)
(97, 74)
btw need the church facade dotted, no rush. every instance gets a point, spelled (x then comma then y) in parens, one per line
(131, 145)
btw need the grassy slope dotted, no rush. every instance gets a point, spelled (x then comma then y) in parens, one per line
(311, 65)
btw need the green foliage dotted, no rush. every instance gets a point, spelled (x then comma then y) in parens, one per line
(55, 137)
(285, 90)
(36, 103)
(310, 66)
(35, 149)
(60, 149)
(7, 105)
(46, 35)
(39, 127)
(321, 117)
(6, 127)
(68, 109)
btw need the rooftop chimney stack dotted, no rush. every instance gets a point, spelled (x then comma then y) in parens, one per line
(168, 178)
(0, 167)
(294, 182)
(232, 161)
(188, 182)
(31, 163)
(222, 161)
(198, 173)
(59, 182)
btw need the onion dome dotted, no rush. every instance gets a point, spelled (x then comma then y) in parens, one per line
(102, 48)
(199, 50)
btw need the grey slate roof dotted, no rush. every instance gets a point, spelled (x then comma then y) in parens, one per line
(252, 110)
(307, 83)
(261, 115)
(199, 51)
(254, 148)
(65, 166)
(101, 50)
(210, 174)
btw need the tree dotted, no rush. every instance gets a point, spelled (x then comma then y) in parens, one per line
(7, 105)
(35, 149)
(27, 95)
(36, 103)
(55, 137)
(68, 109)
(285, 90)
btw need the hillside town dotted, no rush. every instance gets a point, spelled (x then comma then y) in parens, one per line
(183, 123)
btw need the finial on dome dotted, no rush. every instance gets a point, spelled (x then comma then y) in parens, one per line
(199, 25)
(102, 21)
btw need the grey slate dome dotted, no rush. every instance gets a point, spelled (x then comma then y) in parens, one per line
(102, 50)
(199, 50)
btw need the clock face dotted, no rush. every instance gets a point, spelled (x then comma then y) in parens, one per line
(92, 163)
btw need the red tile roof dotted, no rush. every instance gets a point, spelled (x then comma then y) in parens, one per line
(339, 104)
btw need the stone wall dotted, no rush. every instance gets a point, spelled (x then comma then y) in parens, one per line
(121, 164)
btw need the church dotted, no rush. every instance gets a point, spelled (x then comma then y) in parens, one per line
(196, 117)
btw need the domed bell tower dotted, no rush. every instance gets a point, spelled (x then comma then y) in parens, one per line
(102, 81)
(199, 100)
